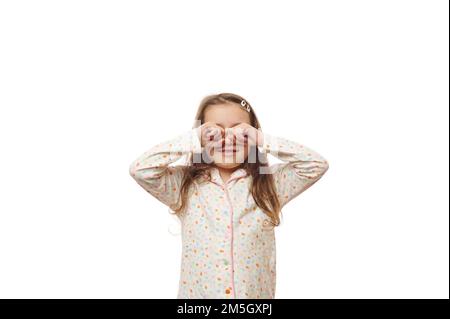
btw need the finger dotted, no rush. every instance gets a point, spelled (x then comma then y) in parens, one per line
(240, 139)
(216, 131)
(205, 130)
(241, 136)
(215, 144)
(210, 132)
(216, 135)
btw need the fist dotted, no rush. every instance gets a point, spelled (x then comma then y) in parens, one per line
(210, 135)
(247, 134)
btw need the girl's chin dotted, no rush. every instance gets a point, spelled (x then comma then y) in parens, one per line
(226, 165)
(227, 161)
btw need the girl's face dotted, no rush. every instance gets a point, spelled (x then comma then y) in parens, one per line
(227, 116)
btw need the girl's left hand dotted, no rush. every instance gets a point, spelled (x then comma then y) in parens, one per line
(245, 133)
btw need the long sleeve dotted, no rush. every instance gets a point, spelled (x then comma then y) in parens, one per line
(151, 170)
(301, 166)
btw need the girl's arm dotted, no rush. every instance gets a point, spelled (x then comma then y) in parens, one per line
(302, 166)
(151, 170)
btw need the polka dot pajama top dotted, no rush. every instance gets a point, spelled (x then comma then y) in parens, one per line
(228, 244)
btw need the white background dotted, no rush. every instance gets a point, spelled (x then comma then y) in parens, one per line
(87, 86)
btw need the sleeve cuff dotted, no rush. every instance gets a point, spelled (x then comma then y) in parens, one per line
(196, 144)
(267, 143)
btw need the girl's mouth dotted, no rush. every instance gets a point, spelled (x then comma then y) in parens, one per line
(228, 150)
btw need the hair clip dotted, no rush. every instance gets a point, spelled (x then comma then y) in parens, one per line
(243, 103)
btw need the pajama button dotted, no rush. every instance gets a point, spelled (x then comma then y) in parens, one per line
(228, 291)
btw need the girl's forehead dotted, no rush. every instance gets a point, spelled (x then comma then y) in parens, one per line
(228, 114)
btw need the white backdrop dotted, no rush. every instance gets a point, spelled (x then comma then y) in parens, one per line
(87, 86)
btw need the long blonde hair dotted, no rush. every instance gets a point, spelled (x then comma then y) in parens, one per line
(262, 186)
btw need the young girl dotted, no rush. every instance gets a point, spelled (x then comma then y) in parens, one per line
(227, 197)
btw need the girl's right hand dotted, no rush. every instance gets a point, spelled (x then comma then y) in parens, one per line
(210, 134)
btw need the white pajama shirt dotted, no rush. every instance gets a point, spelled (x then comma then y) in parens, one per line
(228, 245)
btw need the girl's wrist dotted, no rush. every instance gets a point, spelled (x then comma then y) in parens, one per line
(259, 138)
